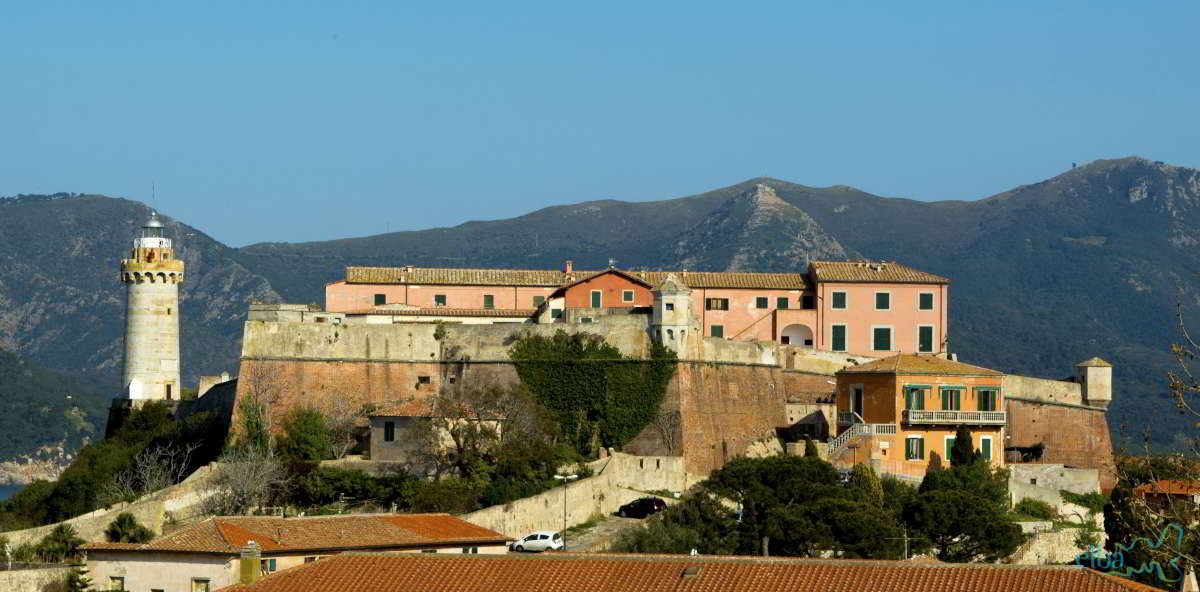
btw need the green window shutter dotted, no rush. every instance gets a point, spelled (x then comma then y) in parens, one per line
(839, 338)
(439, 300)
(926, 301)
(761, 302)
(921, 448)
(949, 447)
(882, 339)
(595, 299)
(914, 449)
(781, 302)
(925, 339)
(985, 446)
(380, 299)
(914, 399)
(839, 300)
(489, 301)
(627, 296)
(538, 301)
(556, 313)
(717, 331)
(883, 301)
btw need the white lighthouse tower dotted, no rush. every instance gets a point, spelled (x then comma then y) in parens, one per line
(152, 275)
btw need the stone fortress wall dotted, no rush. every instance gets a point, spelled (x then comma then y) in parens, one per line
(730, 396)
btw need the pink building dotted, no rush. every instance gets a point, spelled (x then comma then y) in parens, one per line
(864, 308)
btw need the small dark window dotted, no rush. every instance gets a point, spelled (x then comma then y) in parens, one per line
(489, 301)
(881, 339)
(925, 339)
(627, 296)
(556, 313)
(389, 431)
(838, 338)
(781, 302)
(883, 301)
(380, 299)
(439, 300)
(669, 306)
(839, 301)
(717, 331)
(538, 301)
(168, 392)
(808, 302)
(925, 301)
(596, 298)
(429, 550)
(761, 302)
(168, 312)
(422, 380)
(716, 304)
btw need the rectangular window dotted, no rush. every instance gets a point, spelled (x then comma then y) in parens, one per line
(914, 398)
(538, 301)
(925, 339)
(423, 380)
(586, 320)
(115, 583)
(716, 304)
(556, 313)
(808, 302)
(627, 296)
(761, 302)
(839, 301)
(669, 306)
(389, 431)
(985, 447)
(716, 331)
(267, 565)
(987, 398)
(596, 294)
(309, 559)
(429, 550)
(914, 448)
(951, 398)
(201, 585)
(949, 447)
(380, 299)
(881, 338)
(925, 301)
(470, 550)
(489, 301)
(883, 301)
(781, 302)
(439, 300)
(838, 338)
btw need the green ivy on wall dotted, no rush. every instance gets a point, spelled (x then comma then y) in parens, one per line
(600, 397)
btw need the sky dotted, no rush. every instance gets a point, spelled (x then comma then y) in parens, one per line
(297, 121)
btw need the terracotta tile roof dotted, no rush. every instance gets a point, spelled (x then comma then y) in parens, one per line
(556, 279)
(883, 272)
(919, 364)
(422, 408)
(1169, 487)
(657, 573)
(446, 311)
(227, 535)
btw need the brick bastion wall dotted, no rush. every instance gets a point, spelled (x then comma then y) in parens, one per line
(725, 407)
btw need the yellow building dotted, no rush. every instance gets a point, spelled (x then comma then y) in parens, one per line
(900, 414)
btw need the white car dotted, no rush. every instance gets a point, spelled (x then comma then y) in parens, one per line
(542, 540)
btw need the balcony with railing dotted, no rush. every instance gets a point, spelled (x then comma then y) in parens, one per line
(938, 417)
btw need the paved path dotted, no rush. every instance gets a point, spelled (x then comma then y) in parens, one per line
(598, 538)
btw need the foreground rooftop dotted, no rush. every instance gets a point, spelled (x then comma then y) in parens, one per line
(660, 573)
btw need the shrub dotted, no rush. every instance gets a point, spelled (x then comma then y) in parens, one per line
(306, 436)
(60, 545)
(1036, 509)
(1094, 502)
(126, 529)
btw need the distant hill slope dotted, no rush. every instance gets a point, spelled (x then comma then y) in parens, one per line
(42, 407)
(1091, 262)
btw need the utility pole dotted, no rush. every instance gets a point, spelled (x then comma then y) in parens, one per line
(566, 479)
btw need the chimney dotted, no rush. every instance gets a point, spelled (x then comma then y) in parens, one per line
(249, 564)
(1189, 583)
(568, 266)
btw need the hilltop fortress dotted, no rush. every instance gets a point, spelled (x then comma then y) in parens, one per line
(759, 356)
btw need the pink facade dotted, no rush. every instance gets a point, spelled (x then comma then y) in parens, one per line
(344, 297)
(749, 318)
(859, 320)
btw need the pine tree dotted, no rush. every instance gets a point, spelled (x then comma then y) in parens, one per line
(77, 581)
(810, 448)
(866, 485)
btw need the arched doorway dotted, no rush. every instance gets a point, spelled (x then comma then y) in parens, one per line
(799, 335)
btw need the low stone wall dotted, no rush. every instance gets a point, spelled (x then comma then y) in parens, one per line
(176, 503)
(619, 480)
(50, 578)
(1042, 389)
(1049, 548)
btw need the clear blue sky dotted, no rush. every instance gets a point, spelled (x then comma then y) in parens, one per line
(302, 121)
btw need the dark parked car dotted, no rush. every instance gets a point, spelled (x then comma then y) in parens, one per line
(642, 507)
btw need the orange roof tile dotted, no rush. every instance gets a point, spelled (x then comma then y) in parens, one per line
(919, 364)
(883, 272)
(1169, 487)
(657, 573)
(447, 311)
(556, 279)
(227, 535)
